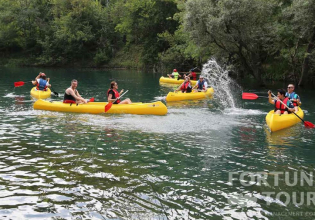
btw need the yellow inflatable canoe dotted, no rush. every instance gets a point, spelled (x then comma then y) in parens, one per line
(175, 81)
(178, 96)
(38, 94)
(277, 122)
(154, 108)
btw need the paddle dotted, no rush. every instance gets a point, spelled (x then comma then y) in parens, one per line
(20, 83)
(91, 99)
(109, 105)
(54, 92)
(306, 123)
(251, 96)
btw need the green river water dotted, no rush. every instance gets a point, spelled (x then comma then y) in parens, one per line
(56, 165)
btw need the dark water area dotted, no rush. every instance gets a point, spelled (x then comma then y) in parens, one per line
(197, 162)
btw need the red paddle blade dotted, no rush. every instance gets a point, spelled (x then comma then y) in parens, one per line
(108, 106)
(20, 83)
(309, 124)
(91, 99)
(250, 96)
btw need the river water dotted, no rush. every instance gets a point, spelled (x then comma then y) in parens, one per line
(193, 163)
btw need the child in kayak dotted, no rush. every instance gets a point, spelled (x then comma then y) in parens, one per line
(280, 108)
(41, 82)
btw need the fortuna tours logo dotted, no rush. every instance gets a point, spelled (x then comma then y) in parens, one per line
(272, 180)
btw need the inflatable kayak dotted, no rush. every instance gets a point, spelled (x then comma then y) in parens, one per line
(178, 96)
(175, 81)
(277, 122)
(39, 94)
(154, 108)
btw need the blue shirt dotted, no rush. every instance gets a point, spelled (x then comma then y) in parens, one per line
(292, 95)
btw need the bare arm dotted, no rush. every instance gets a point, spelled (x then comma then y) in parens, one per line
(48, 85)
(179, 87)
(271, 101)
(109, 98)
(76, 95)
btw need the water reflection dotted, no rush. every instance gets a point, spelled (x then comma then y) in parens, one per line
(284, 137)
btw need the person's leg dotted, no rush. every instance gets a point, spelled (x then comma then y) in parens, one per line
(285, 113)
(126, 101)
(296, 109)
(278, 112)
(79, 102)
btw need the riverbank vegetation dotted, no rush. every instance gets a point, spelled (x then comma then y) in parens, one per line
(257, 38)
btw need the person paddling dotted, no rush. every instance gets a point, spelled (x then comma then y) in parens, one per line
(174, 74)
(201, 84)
(113, 94)
(41, 82)
(192, 74)
(279, 107)
(294, 98)
(72, 94)
(185, 87)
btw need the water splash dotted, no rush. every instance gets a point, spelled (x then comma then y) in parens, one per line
(222, 84)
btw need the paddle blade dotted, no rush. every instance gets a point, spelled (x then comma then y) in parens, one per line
(108, 106)
(309, 124)
(20, 83)
(55, 93)
(91, 99)
(250, 96)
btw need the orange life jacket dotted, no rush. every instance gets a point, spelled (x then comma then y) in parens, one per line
(280, 106)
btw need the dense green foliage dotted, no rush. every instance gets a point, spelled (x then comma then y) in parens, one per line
(265, 39)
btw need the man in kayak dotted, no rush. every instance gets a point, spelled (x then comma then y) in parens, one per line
(113, 94)
(201, 84)
(41, 82)
(185, 87)
(294, 98)
(192, 74)
(174, 74)
(72, 94)
(279, 107)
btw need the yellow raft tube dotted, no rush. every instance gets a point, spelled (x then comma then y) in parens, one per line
(277, 122)
(179, 96)
(154, 108)
(38, 94)
(175, 81)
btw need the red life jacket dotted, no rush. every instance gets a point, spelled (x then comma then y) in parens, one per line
(184, 86)
(115, 95)
(280, 106)
(194, 75)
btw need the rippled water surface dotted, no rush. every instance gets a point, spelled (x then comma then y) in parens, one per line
(80, 166)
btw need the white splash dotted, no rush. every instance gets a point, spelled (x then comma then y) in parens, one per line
(219, 79)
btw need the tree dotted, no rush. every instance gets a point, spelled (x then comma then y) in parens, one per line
(241, 30)
(142, 21)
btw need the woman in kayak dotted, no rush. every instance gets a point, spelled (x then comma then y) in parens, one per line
(185, 87)
(279, 107)
(41, 82)
(113, 94)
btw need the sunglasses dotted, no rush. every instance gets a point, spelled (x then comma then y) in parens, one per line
(290, 87)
